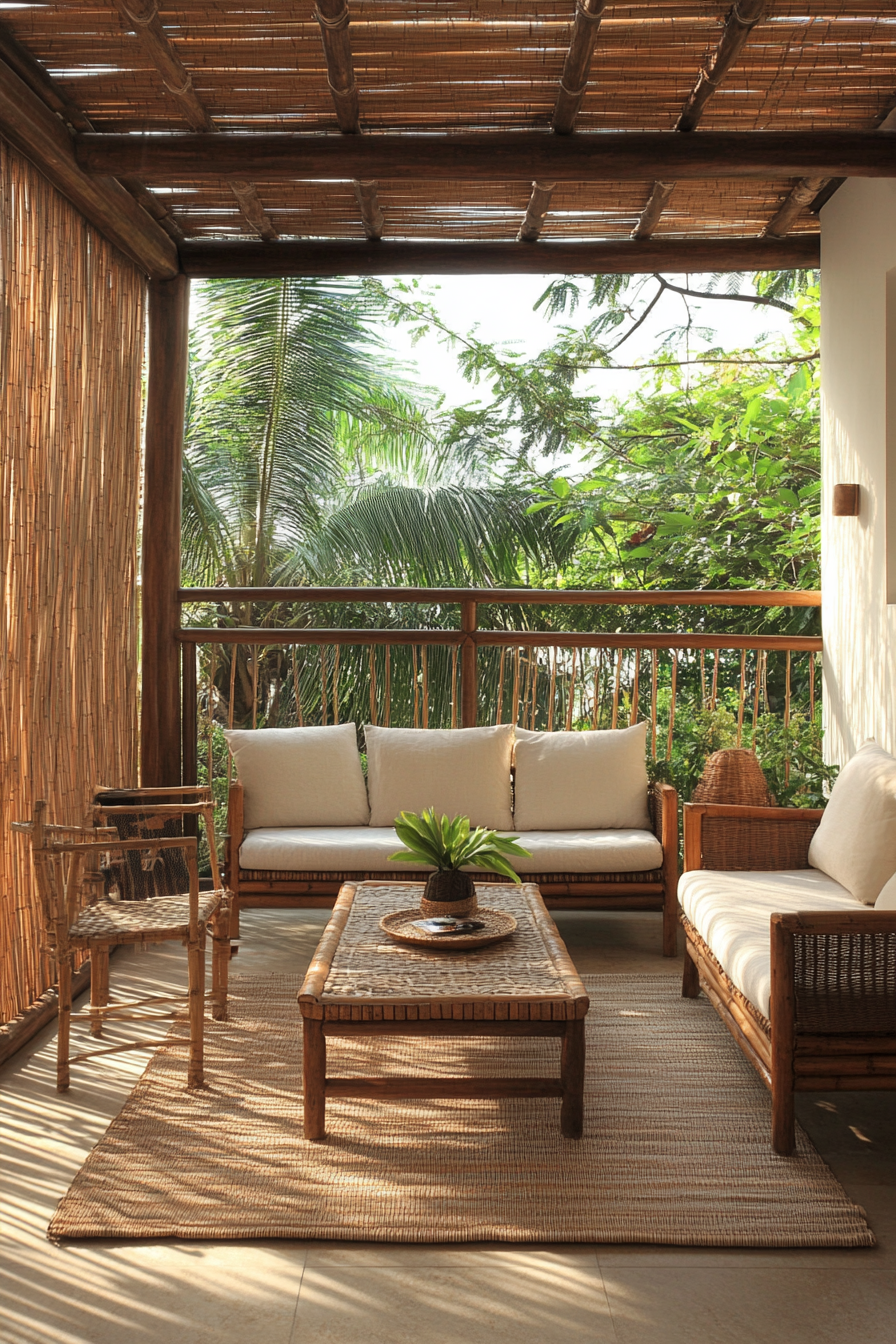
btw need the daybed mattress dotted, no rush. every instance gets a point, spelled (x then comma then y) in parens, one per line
(732, 914)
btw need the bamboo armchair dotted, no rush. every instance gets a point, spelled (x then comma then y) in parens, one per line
(131, 878)
(832, 1015)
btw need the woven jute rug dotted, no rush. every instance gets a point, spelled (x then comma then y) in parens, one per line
(676, 1150)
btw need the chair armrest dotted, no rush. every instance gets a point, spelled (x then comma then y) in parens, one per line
(735, 838)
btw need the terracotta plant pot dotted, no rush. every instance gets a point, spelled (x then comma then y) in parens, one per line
(448, 893)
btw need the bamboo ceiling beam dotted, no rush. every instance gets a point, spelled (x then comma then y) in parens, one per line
(612, 156)
(29, 125)
(250, 259)
(803, 193)
(333, 18)
(536, 210)
(32, 73)
(741, 20)
(371, 214)
(143, 18)
(573, 83)
(577, 66)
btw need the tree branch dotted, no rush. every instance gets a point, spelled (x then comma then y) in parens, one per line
(761, 300)
(676, 363)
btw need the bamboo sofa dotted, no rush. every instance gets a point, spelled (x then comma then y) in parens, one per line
(790, 923)
(600, 836)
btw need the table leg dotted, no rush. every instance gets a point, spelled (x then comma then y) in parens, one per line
(314, 1078)
(572, 1075)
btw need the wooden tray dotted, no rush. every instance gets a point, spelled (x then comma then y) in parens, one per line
(498, 925)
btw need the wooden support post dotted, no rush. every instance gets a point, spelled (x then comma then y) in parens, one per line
(690, 976)
(314, 1078)
(783, 1019)
(572, 1073)
(196, 1002)
(160, 727)
(469, 669)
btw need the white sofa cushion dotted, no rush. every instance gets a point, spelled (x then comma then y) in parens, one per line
(887, 898)
(855, 843)
(584, 851)
(458, 771)
(300, 776)
(732, 913)
(333, 849)
(581, 781)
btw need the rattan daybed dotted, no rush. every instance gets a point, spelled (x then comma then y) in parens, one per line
(828, 1019)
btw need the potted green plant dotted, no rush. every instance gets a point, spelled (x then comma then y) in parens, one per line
(448, 845)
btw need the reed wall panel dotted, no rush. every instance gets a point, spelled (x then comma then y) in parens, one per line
(71, 354)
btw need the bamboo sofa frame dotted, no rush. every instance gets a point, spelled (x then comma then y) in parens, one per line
(832, 1024)
(653, 890)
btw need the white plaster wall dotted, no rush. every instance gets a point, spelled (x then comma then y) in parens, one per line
(858, 249)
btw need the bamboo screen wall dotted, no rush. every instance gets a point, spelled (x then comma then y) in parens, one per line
(71, 353)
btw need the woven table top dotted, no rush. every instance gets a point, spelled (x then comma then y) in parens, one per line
(359, 973)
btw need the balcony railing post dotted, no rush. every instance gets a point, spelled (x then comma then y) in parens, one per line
(469, 666)
(190, 720)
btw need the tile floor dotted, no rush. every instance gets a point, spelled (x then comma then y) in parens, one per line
(317, 1293)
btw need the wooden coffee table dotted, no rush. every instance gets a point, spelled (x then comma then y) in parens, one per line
(361, 983)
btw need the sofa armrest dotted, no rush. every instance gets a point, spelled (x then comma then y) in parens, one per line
(662, 805)
(834, 972)
(734, 838)
(234, 837)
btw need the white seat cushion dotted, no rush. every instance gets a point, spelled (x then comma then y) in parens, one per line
(300, 776)
(732, 913)
(324, 849)
(334, 849)
(458, 771)
(622, 851)
(855, 843)
(591, 780)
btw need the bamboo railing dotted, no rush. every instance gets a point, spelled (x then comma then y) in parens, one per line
(459, 674)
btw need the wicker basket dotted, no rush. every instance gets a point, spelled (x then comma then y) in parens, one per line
(733, 776)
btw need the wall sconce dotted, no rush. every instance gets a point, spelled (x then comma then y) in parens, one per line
(846, 501)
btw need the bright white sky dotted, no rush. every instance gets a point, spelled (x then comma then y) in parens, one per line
(501, 308)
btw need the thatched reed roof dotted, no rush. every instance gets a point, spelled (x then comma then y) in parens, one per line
(483, 66)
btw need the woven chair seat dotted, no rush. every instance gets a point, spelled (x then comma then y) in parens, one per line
(124, 921)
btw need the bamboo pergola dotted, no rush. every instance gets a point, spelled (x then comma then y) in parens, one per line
(146, 143)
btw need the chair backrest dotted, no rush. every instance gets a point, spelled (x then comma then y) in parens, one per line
(68, 880)
(153, 814)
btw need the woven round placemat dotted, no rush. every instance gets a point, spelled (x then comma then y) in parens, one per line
(400, 926)
(733, 776)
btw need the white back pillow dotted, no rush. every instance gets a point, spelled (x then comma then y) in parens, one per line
(458, 771)
(887, 898)
(590, 781)
(855, 843)
(300, 776)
